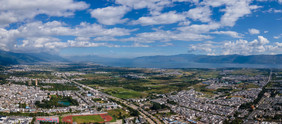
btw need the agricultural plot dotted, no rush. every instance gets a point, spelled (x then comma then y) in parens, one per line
(81, 119)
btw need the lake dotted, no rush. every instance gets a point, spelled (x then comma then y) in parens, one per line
(66, 103)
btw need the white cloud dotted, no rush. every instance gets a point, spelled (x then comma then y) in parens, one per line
(166, 36)
(242, 47)
(35, 44)
(278, 44)
(199, 28)
(279, 1)
(164, 18)
(193, 24)
(92, 30)
(37, 35)
(72, 43)
(7, 38)
(50, 44)
(234, 9)
(192, 1)
(272, 10)
(200, 13)
(60, 29)
(206, 48)
(166, 44)
(254, 31)
(155, 6)
(137, 45)
(105, 38)
(82, 38)
(278, 36)
(230, 33)
(12, 11)
(261, 41)
(110, 15)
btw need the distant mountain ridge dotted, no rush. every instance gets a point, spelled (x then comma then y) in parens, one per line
(11, 58)
(188, 61)
(160, 61)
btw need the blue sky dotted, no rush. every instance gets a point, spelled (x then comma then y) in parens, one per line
(131, 28)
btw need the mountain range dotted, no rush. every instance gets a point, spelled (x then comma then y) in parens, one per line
(171, 61)
(11, 58)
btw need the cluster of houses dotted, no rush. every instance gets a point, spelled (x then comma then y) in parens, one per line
(22, 98)
(26, 80)
(15, 120)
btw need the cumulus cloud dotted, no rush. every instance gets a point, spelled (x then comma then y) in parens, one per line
(12, 11)
(230, 33)
(279, 1)
(110, 15)
(38, 35)
(192, 1)
(155, 6)
(136, 44)
(72, 43)
(242, 47)
(200, 13)
(33, 44)
(199, 28)
(166, 36)
(166, 44)
(254, 31)
(51, 44)
(194, 23)
(234, 9)
(92, 30)
(272, 10)
(278, 36)
(105, 38)
(164, 18)
(206, 48)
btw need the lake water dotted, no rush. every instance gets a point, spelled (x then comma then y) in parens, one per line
(64, 103)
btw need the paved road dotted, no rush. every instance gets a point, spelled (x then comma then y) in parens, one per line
(262, 99)
(143, 113)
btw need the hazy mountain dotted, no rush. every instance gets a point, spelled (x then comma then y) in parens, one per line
(188, 61)
(173, 61)
(10, 58)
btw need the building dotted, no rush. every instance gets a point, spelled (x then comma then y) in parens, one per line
(29, 82)
(36, 82)
(52, 119)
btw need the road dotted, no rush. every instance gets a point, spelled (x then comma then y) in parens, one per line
(262, 99)
(143, 113)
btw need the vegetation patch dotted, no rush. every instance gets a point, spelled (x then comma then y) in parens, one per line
(124, 93)
(57, 101)
(87, 119)
(118, 113)
(59, 87)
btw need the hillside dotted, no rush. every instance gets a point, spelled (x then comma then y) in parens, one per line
(10, 58)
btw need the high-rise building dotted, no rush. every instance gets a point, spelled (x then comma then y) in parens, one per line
(36, 82)
(29, 82)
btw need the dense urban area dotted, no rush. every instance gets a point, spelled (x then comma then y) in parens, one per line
(89, 93)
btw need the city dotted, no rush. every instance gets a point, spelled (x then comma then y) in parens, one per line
(36, 93)
(140, 62)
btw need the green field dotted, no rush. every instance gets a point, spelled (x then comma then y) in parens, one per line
(118, 114)
(117, 82)
(87, 119)
(249, 72)
(124, 93)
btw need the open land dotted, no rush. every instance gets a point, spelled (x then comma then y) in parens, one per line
(87, 93)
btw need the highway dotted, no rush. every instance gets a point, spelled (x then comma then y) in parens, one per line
(143, 113)
(262, 99)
